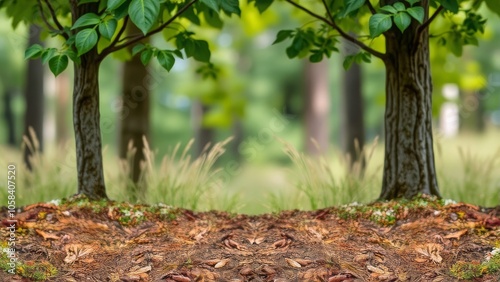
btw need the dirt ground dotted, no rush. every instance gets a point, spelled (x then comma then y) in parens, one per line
(421, 240)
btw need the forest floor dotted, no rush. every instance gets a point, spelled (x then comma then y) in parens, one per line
(419, 240)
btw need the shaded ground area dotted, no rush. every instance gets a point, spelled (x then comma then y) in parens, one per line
(421, 240)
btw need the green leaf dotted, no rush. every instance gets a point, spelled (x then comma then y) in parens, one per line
(389, 9)
(47, 54)
(107, 28)
(201, 52)
(412, 2)
(122, 10)
(417, 13)
(138, 48)
(146, 56)
(379, 23)
(230, 7)
(451, 5)
(33, 52)
(86, 20)
(212, 4)
(402, 21)
(113, 4)
(348, 61)
(454, 43)
(58, 64)
(493, 5)
(282, 35)
(351, 5)
(144, 13)
(85, 40)
(316, 57)
(399, 6)
(166, 59)
(263, 5)
(80, 2)
(213, 19)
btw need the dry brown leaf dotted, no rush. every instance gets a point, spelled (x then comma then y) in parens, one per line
(47, 235)
(456, 235)
(304, 262)
(421, 260)
(140, 270)
(75, 251)
(221, 263)
(292, 263)
(361, 257)
(431, 251)
(375, 269)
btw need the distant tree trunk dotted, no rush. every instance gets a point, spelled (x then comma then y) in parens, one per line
(317, 107)
(409, 155)
(61, 111)
(203, 135)
(472, 112)
(34, 101)
(238, 136)
(135, 117)
(9, 116)
(86, 118)
(352, 117)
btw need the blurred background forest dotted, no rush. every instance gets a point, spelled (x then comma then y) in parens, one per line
(271, 105)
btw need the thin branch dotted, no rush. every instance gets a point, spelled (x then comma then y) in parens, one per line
(339, 30)
(370, 7)
(429, 20)
(328, 12)
(110, 49)
(47, 23)
(120, 32)
(56, 21)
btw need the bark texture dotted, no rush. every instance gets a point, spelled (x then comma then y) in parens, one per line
(409, 156)
(34, 101)
(317, 108)
(135, 112)
(86, 118)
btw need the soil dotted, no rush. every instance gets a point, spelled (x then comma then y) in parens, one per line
(421, 240)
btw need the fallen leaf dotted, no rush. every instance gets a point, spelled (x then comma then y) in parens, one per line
(375, 269)
(140, 270)
(431, 251)
(456, 235)
(292, 263)
(47, 235)
(221, 263)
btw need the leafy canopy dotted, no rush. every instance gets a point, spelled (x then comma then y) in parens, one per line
(105, 28)
(362, 21)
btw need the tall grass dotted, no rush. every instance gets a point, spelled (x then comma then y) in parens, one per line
(320, 183)
(466, 172)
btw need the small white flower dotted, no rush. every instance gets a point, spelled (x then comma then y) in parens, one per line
(449, 202)
(377, 213)
(55, 202)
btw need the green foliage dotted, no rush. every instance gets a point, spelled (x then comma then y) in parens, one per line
(144, 13)
(306, 41)
(471, 270)
(101, 27)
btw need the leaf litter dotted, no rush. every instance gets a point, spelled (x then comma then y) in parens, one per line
(421, 240)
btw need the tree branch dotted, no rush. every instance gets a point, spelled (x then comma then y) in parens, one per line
(120, 32)
(42, 14)
(110, 49)
(429, 20)
(338, 29)
(370, 7)
(56, 21)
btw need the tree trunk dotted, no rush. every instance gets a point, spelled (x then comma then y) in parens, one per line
(204, 136)
(61, 111)
(409, 155)
(9, 116)
(317, 103)
(86, 118)
(353, 127)
(134, 116)
(34, 101)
